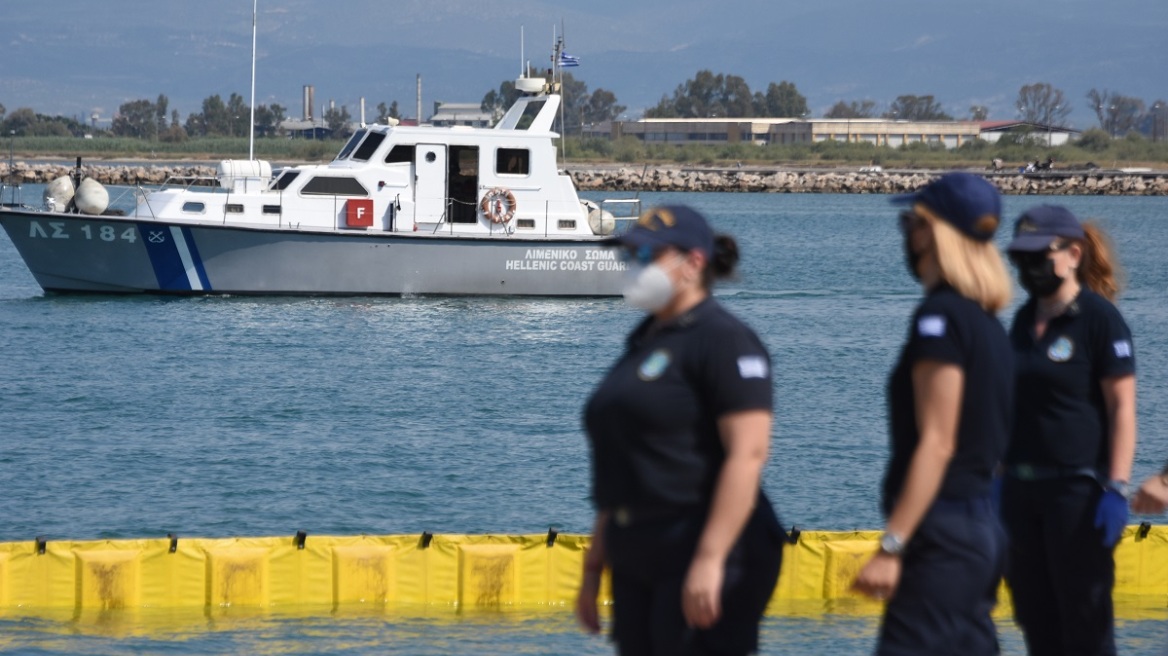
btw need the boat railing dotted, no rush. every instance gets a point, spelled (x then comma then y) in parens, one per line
(625, 211)
(188, 182)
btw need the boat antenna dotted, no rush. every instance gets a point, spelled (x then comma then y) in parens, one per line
(521, 53)
(251, 130)
(557, 67)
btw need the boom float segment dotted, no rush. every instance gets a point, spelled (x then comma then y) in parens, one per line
(468, 571)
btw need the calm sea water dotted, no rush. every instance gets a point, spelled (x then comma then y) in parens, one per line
(130, 417)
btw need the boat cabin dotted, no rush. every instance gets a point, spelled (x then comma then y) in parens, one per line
(473, 182)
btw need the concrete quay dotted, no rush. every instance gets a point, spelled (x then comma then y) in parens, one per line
(602, 177)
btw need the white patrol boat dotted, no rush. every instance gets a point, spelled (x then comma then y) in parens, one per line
(400, 210)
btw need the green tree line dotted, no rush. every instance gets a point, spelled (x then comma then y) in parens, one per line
(706, 95)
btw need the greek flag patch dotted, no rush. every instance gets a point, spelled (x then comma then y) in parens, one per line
(752, 366)
(932, 325)
(1122, 348)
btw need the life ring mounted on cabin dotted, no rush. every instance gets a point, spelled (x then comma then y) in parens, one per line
(498, 205)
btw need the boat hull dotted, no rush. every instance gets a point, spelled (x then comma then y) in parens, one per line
(75, 253)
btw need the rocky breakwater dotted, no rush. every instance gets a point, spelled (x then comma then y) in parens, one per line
(21, 173)
(1098, 182)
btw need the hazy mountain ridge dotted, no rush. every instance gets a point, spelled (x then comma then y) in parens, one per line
(832, 51)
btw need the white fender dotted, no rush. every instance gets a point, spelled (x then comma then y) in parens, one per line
(91, 197)
(60, 192)
(601, 221)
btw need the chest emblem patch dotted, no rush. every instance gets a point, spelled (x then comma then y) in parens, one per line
(654, 365)
(1061, 350)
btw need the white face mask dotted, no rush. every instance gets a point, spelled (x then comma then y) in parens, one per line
(649, 287)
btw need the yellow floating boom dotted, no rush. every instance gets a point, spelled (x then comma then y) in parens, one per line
(466, 571)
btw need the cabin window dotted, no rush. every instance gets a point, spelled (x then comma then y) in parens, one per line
(281, 183)
(271, 209)
(352, 143)
(333, 186)
(368, 147)
(193, 207)
(513, 161)
(233, 208)
(400, 154)
(525, 224)
(529, 114)
(567, 224)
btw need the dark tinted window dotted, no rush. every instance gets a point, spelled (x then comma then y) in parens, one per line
(334, 187)
(367, 147)
(234, 208)
(513, 160)
(284, 180)
(529, 114)
(351, 144)
(400, 153)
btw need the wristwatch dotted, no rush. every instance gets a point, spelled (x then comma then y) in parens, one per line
(891, 544)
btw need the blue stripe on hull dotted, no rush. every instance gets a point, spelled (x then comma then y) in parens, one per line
(176, 261)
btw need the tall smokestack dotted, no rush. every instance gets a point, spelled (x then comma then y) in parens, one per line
(419, 108)
(307, 100)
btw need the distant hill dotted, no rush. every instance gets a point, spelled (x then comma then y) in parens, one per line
(76, 56)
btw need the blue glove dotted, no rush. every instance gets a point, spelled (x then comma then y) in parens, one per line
(1111, 516)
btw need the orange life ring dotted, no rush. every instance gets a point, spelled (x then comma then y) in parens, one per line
(498, 205)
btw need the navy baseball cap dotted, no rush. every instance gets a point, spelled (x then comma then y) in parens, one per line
(965, 201)
(1040, 226)
(668, 225)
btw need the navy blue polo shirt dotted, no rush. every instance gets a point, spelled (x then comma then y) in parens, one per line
(652, 420)
(949, 328)
(1061, 417)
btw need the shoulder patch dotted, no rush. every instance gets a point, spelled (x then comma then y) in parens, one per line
(1123, 348)
(932, 325)
(752, 366)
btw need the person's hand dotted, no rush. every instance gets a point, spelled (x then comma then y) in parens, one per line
(586, 610)
(1152, 497)
(1111, 516)
(701, 596)
(879, 577)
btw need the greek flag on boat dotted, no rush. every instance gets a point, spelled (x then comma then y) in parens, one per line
(568, 61)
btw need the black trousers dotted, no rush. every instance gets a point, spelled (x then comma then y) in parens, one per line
(1059, 572)
(649, 564)
(948, 586)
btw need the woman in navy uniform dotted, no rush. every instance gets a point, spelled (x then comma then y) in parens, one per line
(1070, 455)
(679, 430)
(950, 397)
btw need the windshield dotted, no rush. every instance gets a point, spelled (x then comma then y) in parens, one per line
(353, 141)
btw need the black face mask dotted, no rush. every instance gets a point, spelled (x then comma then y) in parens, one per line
(1036, 273)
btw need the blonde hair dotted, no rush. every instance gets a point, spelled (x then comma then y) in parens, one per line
(1099, 269)
(974, 268)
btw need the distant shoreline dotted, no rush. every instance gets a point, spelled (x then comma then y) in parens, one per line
(754, 179)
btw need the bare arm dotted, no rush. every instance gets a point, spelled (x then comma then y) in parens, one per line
(937, 392)
(1119, 395)
(746, 438)
(594, 562)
